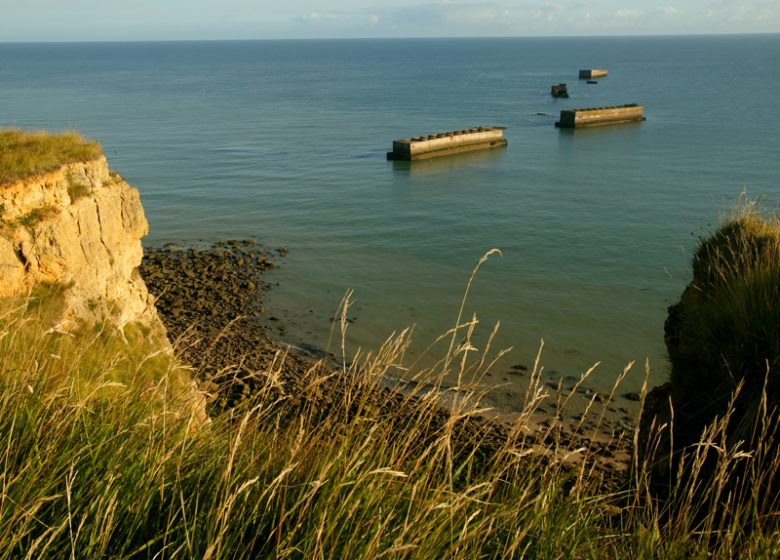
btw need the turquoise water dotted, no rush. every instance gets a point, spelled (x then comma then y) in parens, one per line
(285, 141)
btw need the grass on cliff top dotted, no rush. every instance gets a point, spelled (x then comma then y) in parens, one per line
(25, 154)
(729, 331)
(96, 463)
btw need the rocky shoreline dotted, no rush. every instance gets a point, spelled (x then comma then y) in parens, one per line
(210, 298)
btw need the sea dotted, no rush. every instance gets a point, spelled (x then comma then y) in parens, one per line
(284, 142)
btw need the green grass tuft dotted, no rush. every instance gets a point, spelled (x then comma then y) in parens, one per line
(77, 189)
(34, 217)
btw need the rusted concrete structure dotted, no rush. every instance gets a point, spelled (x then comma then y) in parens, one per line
(591, 74)
(447, 143)
(601, 116)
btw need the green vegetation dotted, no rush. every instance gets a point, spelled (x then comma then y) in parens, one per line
(100, 459)
(724, 334)
(104, 454)
(28, 220)
(34, 217)
(77, 189)
(24, 154)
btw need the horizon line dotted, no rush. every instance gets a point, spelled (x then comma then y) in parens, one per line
(395, 38)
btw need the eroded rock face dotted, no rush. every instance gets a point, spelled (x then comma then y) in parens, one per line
(80, 227)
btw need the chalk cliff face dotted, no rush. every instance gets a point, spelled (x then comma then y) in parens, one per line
(80, 227)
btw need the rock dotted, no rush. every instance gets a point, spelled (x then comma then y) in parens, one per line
(91, 245)
(653, 439)
(88, 245)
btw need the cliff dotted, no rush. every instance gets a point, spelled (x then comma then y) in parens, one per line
(78, 226)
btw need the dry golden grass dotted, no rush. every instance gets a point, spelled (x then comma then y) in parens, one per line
(96, 466)
(24, 154)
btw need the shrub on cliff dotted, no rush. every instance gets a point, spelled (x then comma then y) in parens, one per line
(724, 334)
(24, 154)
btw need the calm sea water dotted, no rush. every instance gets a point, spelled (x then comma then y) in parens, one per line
(285, 141)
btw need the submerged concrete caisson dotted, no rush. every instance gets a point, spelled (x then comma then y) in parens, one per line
(448, 143)
(601, 116)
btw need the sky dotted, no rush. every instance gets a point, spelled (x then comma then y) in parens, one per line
(106, 20)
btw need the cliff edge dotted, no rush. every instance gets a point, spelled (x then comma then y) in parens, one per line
(78, 226)
(67, 221)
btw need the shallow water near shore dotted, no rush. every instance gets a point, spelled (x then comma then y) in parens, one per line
(284, 142)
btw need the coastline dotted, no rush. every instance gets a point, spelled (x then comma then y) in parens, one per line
(210, 297)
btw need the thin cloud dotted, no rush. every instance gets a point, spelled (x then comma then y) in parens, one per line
(628, 14)
(670, 11)
(726, 12)
(454, 18)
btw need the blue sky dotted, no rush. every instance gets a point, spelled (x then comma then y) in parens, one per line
(90, 20)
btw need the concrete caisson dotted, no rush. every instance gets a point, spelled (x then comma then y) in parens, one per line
(448, 143)
(600, 116)
(591, 73)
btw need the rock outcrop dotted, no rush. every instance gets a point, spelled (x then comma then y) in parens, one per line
(80, 227)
